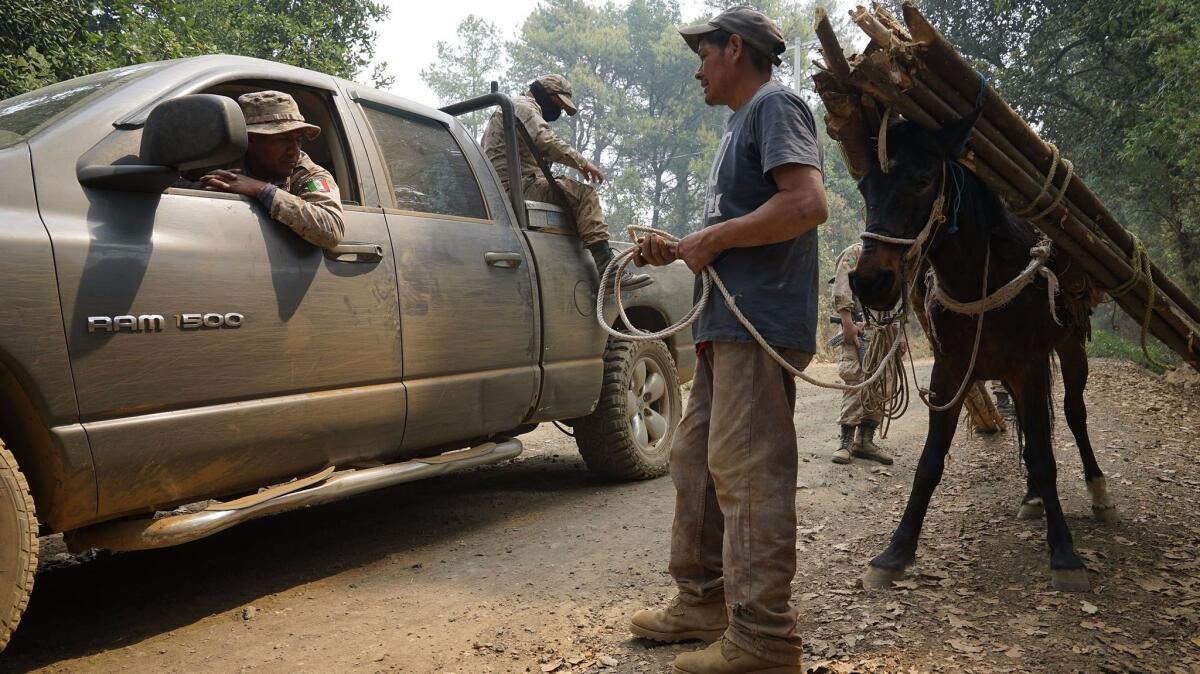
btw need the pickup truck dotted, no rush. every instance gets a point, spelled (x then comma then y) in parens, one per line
(174, 362)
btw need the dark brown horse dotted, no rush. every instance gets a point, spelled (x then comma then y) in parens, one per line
(1016, 342)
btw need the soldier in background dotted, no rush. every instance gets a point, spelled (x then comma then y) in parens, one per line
(1004, 403)
(275, 171)
(545, 100)
(857, 412)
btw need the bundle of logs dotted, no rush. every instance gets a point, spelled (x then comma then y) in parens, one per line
(911, 70)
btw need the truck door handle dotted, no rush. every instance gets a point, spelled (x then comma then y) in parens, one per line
(355, 252)
(503, 260)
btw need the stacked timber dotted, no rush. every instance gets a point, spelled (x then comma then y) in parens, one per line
(982, 414)
(911, 70)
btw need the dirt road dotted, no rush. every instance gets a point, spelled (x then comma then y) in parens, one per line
(534, 565)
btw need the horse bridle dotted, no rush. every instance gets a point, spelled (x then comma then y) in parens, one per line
(916, 246)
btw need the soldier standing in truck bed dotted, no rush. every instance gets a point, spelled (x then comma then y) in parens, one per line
(545, 100)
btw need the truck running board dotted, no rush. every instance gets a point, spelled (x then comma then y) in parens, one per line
(147, 532)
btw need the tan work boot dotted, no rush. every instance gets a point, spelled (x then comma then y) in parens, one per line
(682, 620)
(842, 453)
(725, 657)
(865, 447)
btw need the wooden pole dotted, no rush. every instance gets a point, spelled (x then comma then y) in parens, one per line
(941, 57)
(1102, 262)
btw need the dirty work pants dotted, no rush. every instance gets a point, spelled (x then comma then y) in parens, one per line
(581, 201)
(734, 469)
(855, 410)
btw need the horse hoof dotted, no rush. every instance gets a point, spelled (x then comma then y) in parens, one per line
(880, 579)
(1070, 580)
(1106, 515)
(1031, 511)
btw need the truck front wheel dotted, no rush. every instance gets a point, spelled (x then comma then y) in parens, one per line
(18, 544)
(630, 433)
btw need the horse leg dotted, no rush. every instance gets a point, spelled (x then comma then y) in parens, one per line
(1067, 572)
(1032, 507)
(890, 564)
(1074, 364)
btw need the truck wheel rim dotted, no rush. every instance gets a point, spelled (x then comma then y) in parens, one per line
(648, 404)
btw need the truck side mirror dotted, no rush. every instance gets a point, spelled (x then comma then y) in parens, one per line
(184, 133)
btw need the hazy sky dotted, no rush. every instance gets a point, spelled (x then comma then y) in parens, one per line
(408, 39)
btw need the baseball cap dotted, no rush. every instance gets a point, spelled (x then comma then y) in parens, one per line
(557, 85)
(755, 28)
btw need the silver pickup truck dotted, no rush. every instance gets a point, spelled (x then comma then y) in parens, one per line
(174, 362)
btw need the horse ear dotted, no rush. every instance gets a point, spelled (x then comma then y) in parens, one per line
(952, 138)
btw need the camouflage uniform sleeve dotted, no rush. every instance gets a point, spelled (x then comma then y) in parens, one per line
(312, 208)
(843, 297)
(552, 147)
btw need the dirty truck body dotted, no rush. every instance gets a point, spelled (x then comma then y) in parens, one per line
(163, 346)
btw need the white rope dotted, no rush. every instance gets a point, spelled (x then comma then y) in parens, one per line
(1028, 211)
(1039, 255)
(616, 269)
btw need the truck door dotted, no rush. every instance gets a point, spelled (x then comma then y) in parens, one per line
(213, 349)
(467, 289)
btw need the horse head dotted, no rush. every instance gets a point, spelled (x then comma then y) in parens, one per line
(899, 202)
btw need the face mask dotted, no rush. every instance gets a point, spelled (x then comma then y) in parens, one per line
(550, 109)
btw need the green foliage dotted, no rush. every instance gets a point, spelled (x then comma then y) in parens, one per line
(1108, 344)
(466, 67)
(642, 116)
(51, 40)
(1112, 82)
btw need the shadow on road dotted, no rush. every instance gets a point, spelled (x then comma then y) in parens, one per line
(122, 599)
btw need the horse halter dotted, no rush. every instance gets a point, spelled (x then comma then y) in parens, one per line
(916, 247)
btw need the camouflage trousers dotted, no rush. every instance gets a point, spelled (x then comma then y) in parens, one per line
(854, 406)
(581, 201)
(734, 468)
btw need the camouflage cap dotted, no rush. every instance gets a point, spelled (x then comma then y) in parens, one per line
(558, 86)
(271, 112)
(755, 28)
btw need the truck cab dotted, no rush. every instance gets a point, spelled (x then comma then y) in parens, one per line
(163, 346)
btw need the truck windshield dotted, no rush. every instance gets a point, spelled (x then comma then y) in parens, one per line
(24, 115)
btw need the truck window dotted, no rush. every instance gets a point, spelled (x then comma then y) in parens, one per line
(329, 149)
(426, 167)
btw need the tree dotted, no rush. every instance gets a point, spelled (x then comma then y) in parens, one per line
(1111, 82)
(45, 42)
(466, 67)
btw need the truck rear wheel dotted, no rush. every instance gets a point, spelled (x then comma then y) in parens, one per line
(18, 544)
(629, 435)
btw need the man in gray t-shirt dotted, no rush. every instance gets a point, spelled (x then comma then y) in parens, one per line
(733, 541)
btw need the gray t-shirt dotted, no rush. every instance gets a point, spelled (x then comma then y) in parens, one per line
(775, 286)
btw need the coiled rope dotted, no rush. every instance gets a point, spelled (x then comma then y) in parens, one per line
(1143, 271)
(616, 269)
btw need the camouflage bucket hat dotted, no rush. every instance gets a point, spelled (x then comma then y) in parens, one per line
(558, 86)
(271, 112)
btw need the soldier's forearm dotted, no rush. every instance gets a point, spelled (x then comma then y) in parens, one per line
(315, 223)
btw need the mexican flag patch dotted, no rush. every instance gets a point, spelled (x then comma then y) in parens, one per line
(317, 185)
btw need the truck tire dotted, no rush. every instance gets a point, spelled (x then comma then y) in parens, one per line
(630, 433)
(18, 544)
